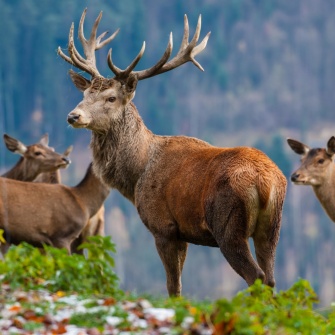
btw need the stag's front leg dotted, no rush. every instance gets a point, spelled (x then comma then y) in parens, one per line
(173, 255)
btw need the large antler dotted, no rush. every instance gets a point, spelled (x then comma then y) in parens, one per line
(90, 46)
(187, 52)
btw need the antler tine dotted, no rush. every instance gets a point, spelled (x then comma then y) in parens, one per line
(114, 68)
(153, 70)
(121, 74)
(89, 46)
(187, 52)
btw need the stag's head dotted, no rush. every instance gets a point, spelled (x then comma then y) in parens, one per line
(316, 163)
(105, 99)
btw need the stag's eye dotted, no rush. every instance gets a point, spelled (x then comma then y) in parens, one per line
(111, 99)
(321, 161)
(38, 153)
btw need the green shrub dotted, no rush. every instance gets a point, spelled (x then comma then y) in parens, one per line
(53, 269)
(259, 311)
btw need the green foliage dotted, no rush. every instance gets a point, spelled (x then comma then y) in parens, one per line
(258, 310)
(55, 270)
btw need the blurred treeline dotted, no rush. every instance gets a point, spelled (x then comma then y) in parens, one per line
(269, 74)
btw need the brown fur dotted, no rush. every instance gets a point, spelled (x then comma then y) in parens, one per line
(60, 216)
(317, 169)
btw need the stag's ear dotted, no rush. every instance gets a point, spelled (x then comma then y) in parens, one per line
(298, 147)
(131, 83)
(129, 87)
(79, 81)
(14, 145)
(45, 140)
(331, 146)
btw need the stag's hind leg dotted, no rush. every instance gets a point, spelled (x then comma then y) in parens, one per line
(237, 252)
(173, 255)
(230, 230)
(266, 239)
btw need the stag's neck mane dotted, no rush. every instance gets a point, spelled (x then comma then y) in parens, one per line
(326, 194)
(121, 153)
(20, 171)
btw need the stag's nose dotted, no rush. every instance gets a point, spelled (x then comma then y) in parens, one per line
(294, 177)
(72, 118)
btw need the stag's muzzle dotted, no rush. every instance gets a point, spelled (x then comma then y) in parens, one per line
(73, 118)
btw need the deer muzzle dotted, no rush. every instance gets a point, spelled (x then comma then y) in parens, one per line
(77, 120)
(74, 118)
(297, 179)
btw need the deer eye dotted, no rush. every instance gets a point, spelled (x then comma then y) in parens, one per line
(321, 161)
(111, 99)
(38, 153)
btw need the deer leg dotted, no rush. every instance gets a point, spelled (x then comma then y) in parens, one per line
(76, 243)
(237, 252)
(173, 255)
(265, 243)
(4, 248)
(230, 230)
(62, 245)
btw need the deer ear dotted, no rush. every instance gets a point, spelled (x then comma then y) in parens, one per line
(129, 88)
(331, 146)
(14, 145)
(79, 81)
(298, 147)
(45, 140)
(131, 84)
(68, 151)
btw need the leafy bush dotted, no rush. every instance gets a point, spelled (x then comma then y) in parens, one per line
(53, 269)
(259, 311)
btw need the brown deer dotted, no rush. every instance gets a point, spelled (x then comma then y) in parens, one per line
(185, 190)
(317, 169)
(41, 161)
(59, 213)
(35, 159)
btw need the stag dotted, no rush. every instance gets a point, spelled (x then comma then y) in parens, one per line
(58, 216)
(317, 169)
(35, 159)
(185, 190)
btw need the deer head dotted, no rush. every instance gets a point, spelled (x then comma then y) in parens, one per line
(316, 163)
(106, 99)
(38, 156)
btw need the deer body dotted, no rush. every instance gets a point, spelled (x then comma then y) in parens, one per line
(60, 216)
(185, 190)
(317, 170)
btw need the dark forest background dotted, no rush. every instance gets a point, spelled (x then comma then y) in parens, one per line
(269, 74)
